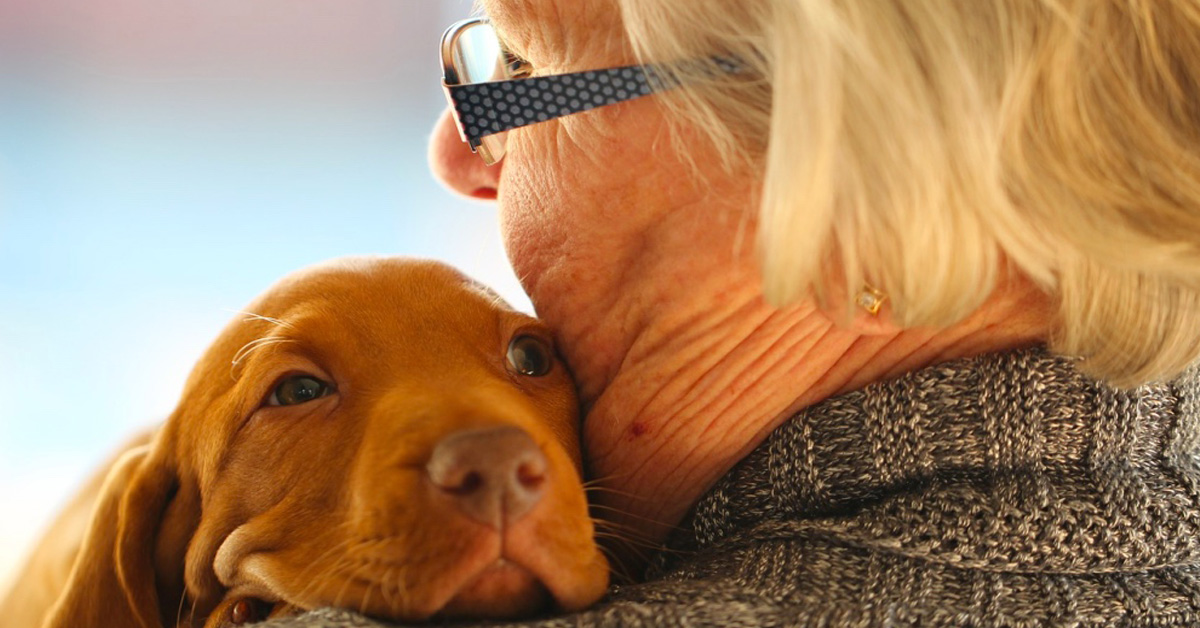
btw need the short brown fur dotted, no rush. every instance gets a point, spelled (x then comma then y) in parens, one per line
(326, 502)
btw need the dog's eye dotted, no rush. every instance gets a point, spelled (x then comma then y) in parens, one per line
(243, 612)
(298, 389)
(247, 611)
(530, 355)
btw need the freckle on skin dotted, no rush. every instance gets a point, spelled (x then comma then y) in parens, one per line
(638, 428)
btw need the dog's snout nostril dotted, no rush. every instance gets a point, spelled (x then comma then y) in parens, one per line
(494, 475)
(531, 475)
(470, 482)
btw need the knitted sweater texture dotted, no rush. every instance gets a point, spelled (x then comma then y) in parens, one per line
(1003, 490)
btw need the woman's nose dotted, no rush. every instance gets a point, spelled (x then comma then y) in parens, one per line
(457, 167)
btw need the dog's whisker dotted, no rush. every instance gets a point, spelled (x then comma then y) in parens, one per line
(402, 588)
(351, 567)
(614, 527)
(341, 546)
(364, 548)
(366, 598)
(312, 592)
(179, 607)
(624, 475)
(347, 567)
(406, 590)
(613, 491)
(252, 346)
(625, 530)
(317, 582)
(601, 480)
(488, 293)
(634, 538)
(192, 612)
(337, 600)
(391, 584)
(635, 557)
(616, 564)
(342, 562)
(632, 542)
(251, 316)
(620, 512)
(383, 590)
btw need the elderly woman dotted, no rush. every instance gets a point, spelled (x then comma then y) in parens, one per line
(881, 311)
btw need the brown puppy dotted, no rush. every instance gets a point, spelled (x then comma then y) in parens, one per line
(383, 435)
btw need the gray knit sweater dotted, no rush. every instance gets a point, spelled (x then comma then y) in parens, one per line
(1006, 490)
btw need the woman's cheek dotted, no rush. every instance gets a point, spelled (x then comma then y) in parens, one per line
(535, 221)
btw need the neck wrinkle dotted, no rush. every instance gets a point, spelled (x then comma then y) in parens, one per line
(697, 392)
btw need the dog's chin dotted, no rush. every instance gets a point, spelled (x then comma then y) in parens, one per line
(503, 590)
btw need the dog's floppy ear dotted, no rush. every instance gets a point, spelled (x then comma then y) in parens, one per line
(132, 554)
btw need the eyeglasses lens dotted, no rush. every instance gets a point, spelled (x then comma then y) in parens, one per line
(478, 58)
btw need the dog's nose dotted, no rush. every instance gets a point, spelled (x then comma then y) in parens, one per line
(495, 475)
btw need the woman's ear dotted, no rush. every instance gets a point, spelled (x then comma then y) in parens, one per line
(123, 567)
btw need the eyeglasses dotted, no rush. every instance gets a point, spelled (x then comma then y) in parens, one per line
(491, 91)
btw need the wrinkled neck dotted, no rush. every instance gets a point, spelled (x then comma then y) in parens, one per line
(715, 369)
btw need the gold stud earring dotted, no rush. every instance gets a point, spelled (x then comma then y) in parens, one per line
(870, 299)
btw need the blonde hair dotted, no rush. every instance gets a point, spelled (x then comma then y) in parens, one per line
(918, 146)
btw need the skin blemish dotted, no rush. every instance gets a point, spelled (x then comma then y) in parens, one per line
(638, 428)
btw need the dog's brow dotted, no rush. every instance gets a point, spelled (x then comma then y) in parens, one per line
(257, 343)
(250, 347)
(251, 316)
(488, 293)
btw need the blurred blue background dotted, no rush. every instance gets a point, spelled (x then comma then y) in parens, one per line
(161, 163)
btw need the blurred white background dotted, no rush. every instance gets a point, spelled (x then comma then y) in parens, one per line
(161, 163)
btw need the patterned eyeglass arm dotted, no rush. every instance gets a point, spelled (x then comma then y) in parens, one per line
(488, 108)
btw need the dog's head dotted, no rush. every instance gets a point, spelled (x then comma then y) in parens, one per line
(378, 434)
